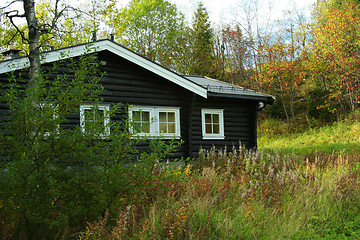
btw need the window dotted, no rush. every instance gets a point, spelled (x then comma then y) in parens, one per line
(212, 123)
(95, 120)
(155, 121)
(44, 120)
(141, 118)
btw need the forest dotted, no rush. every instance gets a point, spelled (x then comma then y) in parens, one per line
(302, 182)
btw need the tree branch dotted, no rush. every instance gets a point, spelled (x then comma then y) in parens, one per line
(10, 17)
(1, 8)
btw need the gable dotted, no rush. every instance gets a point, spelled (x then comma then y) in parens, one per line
(103, 45)
(127, 82)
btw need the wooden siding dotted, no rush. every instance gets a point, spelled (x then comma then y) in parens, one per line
(239, 124)
(129, 84)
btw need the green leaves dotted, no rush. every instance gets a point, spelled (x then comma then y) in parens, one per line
(336, 51)
(152, 28)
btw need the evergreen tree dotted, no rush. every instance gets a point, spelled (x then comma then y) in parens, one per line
(202, 43)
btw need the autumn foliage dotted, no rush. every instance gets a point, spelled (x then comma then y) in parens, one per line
(335, 51)
(322, 55)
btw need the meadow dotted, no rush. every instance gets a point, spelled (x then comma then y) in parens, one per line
(302, 185)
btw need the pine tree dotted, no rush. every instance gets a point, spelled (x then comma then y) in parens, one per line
(202, 43)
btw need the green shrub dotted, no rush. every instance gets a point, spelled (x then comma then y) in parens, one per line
(55, 179)
(319, 106)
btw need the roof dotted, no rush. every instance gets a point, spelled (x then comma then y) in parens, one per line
(101, 45)
(220, 88)
(202, 86)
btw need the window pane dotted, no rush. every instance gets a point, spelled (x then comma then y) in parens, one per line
(145, 116)
(141, 121)
(162, 117)
(155, 121)
(208, 128)
(216, 128)
(207, 118)
(216, 118)
(136, 116)
(137, 125)
(163, 127)
(89, 116)
(146, 128)
(98, 115)
(171, 117)
(171, 128)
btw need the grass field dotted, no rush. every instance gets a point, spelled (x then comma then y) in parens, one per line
(337, 137)
(297, 186)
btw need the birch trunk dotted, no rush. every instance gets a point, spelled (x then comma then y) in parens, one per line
(34, 38)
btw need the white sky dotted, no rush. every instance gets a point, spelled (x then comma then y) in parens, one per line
(227, 11)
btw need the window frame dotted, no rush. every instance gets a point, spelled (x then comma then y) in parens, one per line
(154, 121)
(140, 109)
(221, 134)
(101, 107)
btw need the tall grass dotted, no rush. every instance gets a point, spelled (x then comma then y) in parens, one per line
(247, 195)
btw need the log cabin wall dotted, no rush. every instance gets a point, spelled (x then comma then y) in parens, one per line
(127, 83)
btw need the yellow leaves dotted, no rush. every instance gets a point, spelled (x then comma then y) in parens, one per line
(43, 11)
(187, 170)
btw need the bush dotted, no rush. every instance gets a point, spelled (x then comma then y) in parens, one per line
(319, 106)
(55, 179)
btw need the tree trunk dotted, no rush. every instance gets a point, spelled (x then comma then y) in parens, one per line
(34, 37)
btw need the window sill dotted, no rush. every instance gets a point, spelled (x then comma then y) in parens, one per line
(153, 137)
(213, 137)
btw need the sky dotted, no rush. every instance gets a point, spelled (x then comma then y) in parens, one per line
(227, 11)
(231, 11)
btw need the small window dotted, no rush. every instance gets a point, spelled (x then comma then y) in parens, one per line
(95, 120)
(168, 122)
(212, 123)
(155, 121)
(44, 121)
(141, 120)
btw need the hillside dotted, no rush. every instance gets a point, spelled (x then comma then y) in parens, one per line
(343, 136)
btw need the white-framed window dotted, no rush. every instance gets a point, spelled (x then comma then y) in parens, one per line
(141, 119)
(43, 120)
(212, 123)
(155, 121)
(95, 119)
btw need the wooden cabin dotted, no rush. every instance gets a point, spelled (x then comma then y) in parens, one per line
(201, 111)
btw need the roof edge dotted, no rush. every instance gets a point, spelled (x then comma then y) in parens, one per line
(268, 99)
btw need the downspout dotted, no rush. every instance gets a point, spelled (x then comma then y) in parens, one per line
(190, 127)
(255, 116)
